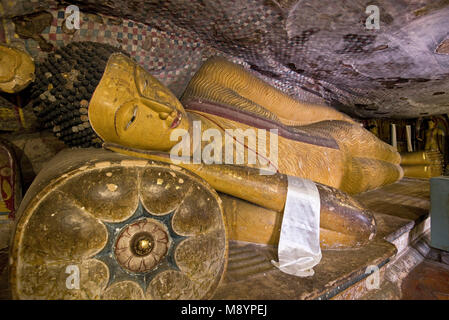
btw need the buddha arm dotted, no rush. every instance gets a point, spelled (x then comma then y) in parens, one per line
(344, 222)
(242, 182)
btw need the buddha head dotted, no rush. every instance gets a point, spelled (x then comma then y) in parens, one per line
(88, 93)
(16, 69)
(132, 108)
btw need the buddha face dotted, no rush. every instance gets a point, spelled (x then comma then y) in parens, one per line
(132, 108)
(16, 69)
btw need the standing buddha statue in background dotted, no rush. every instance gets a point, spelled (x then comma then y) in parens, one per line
(434, 138)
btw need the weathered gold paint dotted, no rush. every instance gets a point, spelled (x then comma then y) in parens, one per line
(16, 69)
(344, 222)
(422, 164)
(359, 163)
(242, 182)
(131, 107)
(420, 157)
(60, 224)
(422, 171)
(225, 82)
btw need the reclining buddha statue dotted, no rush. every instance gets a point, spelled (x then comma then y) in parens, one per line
(87, 86)
(131, 109)
(93, 95)
(90, 94)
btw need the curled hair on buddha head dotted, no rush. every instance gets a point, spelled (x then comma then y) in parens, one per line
(65, 83)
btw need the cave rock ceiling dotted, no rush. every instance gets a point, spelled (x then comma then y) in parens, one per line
(400, 70)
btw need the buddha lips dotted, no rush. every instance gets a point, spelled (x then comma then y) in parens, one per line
(176, 121)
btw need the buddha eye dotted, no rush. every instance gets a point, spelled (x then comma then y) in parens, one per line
(133, 118)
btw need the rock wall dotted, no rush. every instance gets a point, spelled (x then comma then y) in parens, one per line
(317, 51)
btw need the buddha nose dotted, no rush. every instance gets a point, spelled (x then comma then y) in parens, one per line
(163, 115)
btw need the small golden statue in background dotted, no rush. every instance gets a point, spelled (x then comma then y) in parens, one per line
(16, 69)
(434, 138)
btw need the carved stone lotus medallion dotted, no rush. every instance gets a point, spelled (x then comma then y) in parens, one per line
(133, 229)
